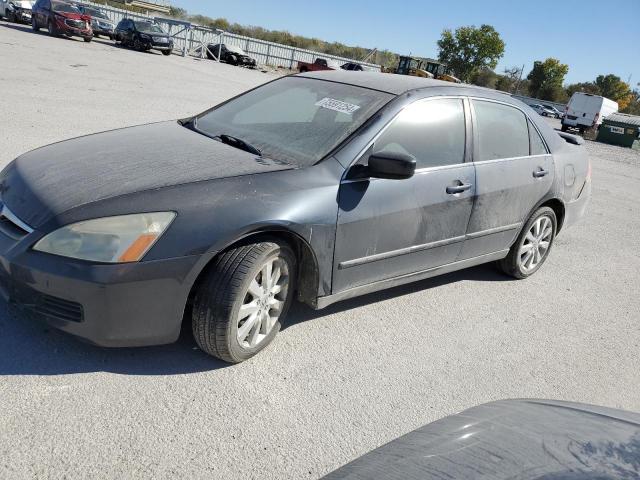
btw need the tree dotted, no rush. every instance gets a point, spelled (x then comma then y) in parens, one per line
(469, 49)
(612, 86)
(484, 77)
(634, 104)
(585, 87)
(546, 79)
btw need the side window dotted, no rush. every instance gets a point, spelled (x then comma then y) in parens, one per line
(431, 131)
(537, 145)
(502, 131)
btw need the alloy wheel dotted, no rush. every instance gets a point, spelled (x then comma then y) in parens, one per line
(263, 303)
(535, 244)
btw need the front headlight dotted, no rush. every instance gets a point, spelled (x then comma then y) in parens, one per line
(121, 239)
(145, 37)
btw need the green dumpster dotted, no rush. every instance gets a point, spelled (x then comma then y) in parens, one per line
(619, 129)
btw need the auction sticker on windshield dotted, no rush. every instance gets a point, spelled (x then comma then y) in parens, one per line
(337, 105)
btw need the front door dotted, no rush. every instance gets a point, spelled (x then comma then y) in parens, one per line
(514, 172)
(387, 228)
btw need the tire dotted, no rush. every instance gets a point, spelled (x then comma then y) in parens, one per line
(166, 53)
(137, 45)
(233, 60)
(34, 25)
(564, 128)
(515, 263)
(87, 39)
(235, 280)
(11, 17)
(304, 69)
(51, 28)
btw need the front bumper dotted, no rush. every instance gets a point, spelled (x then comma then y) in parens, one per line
(123, 305)
(66, 29)
(22, 16)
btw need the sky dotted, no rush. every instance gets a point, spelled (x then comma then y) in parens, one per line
(592, 36)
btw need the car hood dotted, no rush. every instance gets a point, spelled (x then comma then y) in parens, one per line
(23, 4)
(512, 439)
(54, 179)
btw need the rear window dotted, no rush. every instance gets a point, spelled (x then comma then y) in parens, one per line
(297, 120)
(502, 131)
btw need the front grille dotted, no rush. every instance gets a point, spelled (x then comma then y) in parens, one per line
(11, 226)
(59, 309)
(75, 23)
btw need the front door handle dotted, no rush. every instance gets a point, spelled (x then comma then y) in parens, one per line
(463, 187)
(540, 173)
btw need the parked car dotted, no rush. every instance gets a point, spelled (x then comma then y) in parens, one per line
(586, 111)
(542, 110)
(508, 440)
(230, 54)
(556, 113)
(101, 24)
(352, 67)
(318, 64)
(61, 18)
(17, 11)
(322, 187)
(143, 35)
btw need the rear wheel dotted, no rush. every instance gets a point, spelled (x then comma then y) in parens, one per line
(533, 245)
(239, 306)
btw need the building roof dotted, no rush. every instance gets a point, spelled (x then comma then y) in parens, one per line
(384, 82)
(623, 118)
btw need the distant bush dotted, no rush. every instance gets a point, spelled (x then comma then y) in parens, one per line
(385, 58)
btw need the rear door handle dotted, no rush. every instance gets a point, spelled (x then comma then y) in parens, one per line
(540, 173)
(463, 187)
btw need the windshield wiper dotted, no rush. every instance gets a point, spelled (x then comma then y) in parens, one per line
(238, 143)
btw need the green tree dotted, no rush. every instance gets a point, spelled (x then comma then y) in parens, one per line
(585, 87)
(469, 49)
(546, 79)
(484, 77)
(612, 86)
(634, 103)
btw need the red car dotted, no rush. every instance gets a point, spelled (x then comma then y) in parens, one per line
(61, 18)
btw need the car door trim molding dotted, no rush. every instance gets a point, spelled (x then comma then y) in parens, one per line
(356, 262)
(401, 251)
(322, 302)
(491, 231)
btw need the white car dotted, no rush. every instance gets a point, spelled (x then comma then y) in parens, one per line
(544, 111)
(16, 10)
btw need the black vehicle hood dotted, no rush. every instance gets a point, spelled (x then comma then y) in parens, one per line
(53, 179)
(512, 439)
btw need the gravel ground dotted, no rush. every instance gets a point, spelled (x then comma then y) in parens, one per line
(336, 383)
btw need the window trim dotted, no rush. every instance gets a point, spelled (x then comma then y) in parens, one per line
(467, 158)
(476, 143)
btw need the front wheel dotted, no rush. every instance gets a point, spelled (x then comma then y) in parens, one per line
(34, 25)
(239, 307)
(166, 53)
(564, 128)
(137, 45)
(533, 245)
(51, 28)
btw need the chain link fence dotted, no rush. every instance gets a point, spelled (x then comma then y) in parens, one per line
(192, 40)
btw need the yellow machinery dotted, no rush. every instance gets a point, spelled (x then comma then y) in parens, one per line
(426, 68)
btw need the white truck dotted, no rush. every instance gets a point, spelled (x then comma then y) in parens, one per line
(585, 111)
(16, 10)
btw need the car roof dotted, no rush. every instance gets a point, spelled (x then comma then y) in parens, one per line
(384, 82)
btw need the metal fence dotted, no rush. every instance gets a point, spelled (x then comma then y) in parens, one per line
(192, 40)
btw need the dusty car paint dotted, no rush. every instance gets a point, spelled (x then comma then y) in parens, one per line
(223, 195)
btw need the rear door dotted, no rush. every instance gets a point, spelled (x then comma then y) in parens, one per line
(514, 172)
(388, 228)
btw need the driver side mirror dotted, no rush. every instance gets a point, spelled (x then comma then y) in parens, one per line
(391, 165)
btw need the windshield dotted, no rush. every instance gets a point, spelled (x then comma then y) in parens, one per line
(295, 120)
(148, 27)
(96, 14)
(234, 49)
(65, 7)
